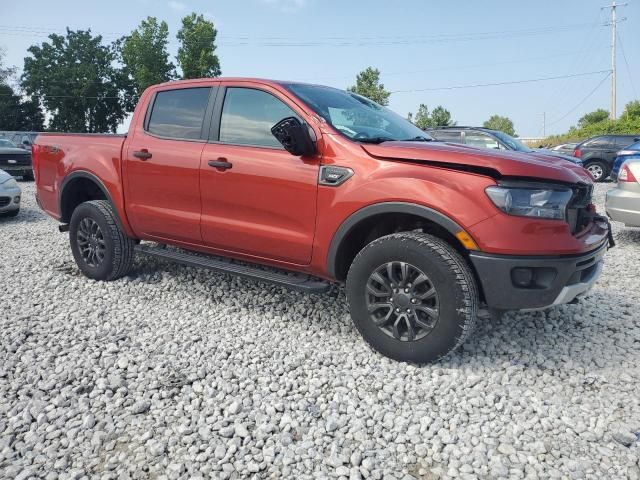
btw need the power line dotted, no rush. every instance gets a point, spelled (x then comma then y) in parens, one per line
(582, 101)
(624, 56)
(238, 41)
(456, 87)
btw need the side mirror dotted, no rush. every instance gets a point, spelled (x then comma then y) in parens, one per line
(294, 137)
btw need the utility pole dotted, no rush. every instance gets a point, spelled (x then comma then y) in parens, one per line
(544, 124)
(614, 22)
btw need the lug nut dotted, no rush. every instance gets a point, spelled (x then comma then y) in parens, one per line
(408, 310)
(397, 310)
(406, 290)
(413, 300)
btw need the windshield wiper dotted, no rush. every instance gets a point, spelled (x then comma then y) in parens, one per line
(417, 139)
(374, 139)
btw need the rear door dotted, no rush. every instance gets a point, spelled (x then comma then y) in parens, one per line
(263, 204)
(162, 164)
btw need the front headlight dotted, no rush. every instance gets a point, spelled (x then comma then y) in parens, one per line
(532, 201)
(11, 183)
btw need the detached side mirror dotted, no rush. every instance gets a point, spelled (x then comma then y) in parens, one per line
(294, 137)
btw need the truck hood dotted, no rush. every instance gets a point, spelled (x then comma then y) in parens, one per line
(495, 163)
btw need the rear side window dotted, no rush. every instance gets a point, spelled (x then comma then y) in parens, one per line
(446, 136)
(179, 113)
(601, 142)
(622, 142)
(248, 115)
(480, 140)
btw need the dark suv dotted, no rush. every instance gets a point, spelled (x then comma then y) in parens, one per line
(598, 153)
(488, 138)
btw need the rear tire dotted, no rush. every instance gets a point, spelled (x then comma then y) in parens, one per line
(100, 248)
(598, 170)
(422, 307)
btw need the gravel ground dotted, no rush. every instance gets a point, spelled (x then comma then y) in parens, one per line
(178, 373)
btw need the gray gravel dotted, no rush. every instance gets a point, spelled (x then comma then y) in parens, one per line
(179, 373)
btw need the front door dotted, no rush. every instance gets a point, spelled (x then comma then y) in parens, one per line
(257, 199)
(162, 163)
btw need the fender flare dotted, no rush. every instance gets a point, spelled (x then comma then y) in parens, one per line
(380, 208)
(89, 176)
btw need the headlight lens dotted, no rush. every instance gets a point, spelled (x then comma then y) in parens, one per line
(542, 202)
(11, 183)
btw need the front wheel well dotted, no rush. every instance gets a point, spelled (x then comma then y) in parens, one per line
(380, 225)
(77, 191)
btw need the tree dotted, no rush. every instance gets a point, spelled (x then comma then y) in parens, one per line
(19, 114)
(5, 72)
(76, 81)
(144, 55)
(368, 85)
(196, 55)
(593, 117)
(440, 117)
(631, 110)
(504, 124)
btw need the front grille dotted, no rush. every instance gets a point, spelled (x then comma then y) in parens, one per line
(578, 214)
(19, 159)
(4, 201)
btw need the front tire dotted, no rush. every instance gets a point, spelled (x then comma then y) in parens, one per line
(100, 248)
(598, 170)
(412, 297)
(28, 176)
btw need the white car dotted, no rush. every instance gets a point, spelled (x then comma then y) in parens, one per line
(9, 195)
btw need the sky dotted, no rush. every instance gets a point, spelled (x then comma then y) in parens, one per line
(423, 49)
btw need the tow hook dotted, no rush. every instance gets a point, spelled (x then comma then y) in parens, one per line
(63, 227)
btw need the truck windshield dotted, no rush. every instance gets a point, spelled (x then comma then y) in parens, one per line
(357, 117)
(512, 143)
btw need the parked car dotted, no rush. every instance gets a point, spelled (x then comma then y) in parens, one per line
(566, 148)
(495, 139)
(10, 193)
(22, 140)
(329, 185)
(629, 153)
(598, 153)
(14, 160)
(623, 202)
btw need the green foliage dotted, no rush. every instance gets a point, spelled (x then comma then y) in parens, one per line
(19, 114)
(440, 117)
(368, 85)
(627, 124)
(76, 81)
(5, 72)
(593, 117)
(631, 110)
(196, 55)
(503, 124)
(144, 55)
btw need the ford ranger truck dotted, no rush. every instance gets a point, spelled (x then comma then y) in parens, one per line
(325, 186)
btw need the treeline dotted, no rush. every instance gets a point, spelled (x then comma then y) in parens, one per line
(598, 123)
(85, 85)
(368, 85)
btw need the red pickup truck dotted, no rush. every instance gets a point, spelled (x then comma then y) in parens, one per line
(323, 186)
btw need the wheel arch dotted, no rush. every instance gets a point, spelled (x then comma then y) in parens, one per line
(374, 221)
(81, 186)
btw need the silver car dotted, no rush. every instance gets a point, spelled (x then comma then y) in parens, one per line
(9, 195)
(623, 201)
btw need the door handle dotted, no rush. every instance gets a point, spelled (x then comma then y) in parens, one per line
(143, 154)
(220, 163)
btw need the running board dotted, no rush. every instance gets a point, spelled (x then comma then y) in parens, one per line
(293, 281)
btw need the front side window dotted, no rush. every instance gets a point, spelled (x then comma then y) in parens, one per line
(179, 113)
(480, 140)
(248, 115)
